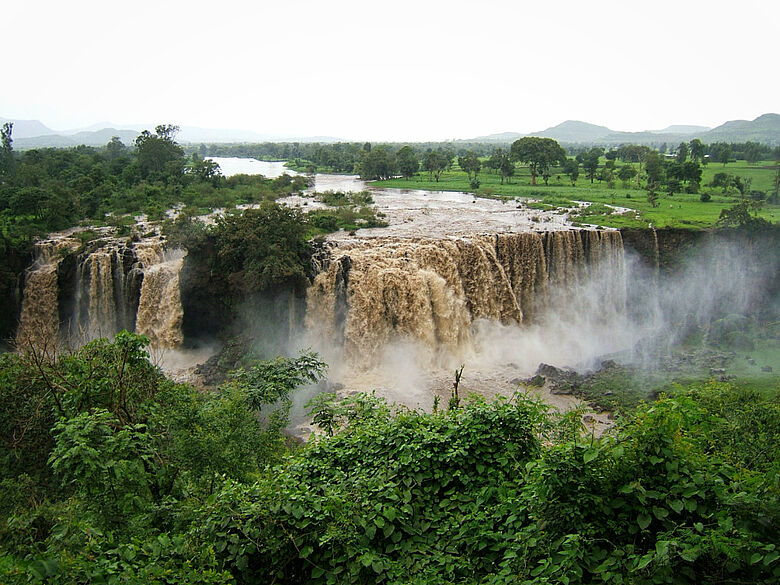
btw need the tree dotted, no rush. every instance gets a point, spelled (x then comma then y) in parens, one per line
(652, 196)
(697, 149)
(507, 168)
(590, 161)
(6, 151)
(743, 215)
(263, 248)
(721, 152)
(377, 164)
(571, 168)
(470, 163)
(115, 148)
(682, 152)
(406, 161)
(158, 155)
(501, 163)
(674, 177)
(538, 153)
(725, 154)
(206, 170)
(753, 152)
(434, 162)
(653, 169)
(625, 174)
(691, 173)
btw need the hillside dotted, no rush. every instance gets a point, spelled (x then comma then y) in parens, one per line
(28, 128)
(682, 129)
(88, 138)
(574, 131)
(764, 129)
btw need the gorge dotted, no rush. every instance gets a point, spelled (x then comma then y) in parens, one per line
(452, 280)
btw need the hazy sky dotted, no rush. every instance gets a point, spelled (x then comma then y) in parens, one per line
(389, 70)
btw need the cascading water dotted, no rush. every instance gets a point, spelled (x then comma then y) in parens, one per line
(160, 312)
(39, 322)
(378, 291)
(106, 292)
(116, 285)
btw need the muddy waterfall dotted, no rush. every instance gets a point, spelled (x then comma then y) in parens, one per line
(367, 292)
(374, 292)
(74, 297)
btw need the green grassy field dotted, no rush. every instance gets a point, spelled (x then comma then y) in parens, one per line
(679, 210)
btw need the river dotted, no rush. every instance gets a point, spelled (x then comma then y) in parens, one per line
(249, 166)
(414, 212)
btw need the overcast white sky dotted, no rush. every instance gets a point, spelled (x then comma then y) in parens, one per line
(389, 70)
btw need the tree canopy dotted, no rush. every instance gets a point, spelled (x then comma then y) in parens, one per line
(538, 153)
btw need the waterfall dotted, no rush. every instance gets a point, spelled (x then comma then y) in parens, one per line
(114, 285)
(432, 291)
(160, 312)
(39, 322)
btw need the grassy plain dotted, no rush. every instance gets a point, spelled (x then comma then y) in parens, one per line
(679, 210)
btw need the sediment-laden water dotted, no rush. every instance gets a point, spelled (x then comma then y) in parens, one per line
(72, 297)
(386, 307)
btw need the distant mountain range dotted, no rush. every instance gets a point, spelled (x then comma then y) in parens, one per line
(34, 134)
(765, 129)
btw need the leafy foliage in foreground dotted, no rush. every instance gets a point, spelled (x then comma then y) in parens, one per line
(500, 493)
(684, 491)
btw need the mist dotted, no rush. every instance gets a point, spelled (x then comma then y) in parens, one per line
(626, 311)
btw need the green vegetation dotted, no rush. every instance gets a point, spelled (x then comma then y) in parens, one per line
(45, 190)
(350, 211)
(663, 189)
(112, 473)
(656, 191)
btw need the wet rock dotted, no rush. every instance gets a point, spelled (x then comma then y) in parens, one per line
(751, 361)
(609, 365)
(588, 419)
(536, 381)
(561, 381)
(766, 368)
(518, 381)
(714, 371)
(553, 373)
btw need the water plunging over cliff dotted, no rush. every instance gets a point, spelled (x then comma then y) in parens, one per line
(434, 292)
(159, 307)
(113, 286)
(39, 321)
